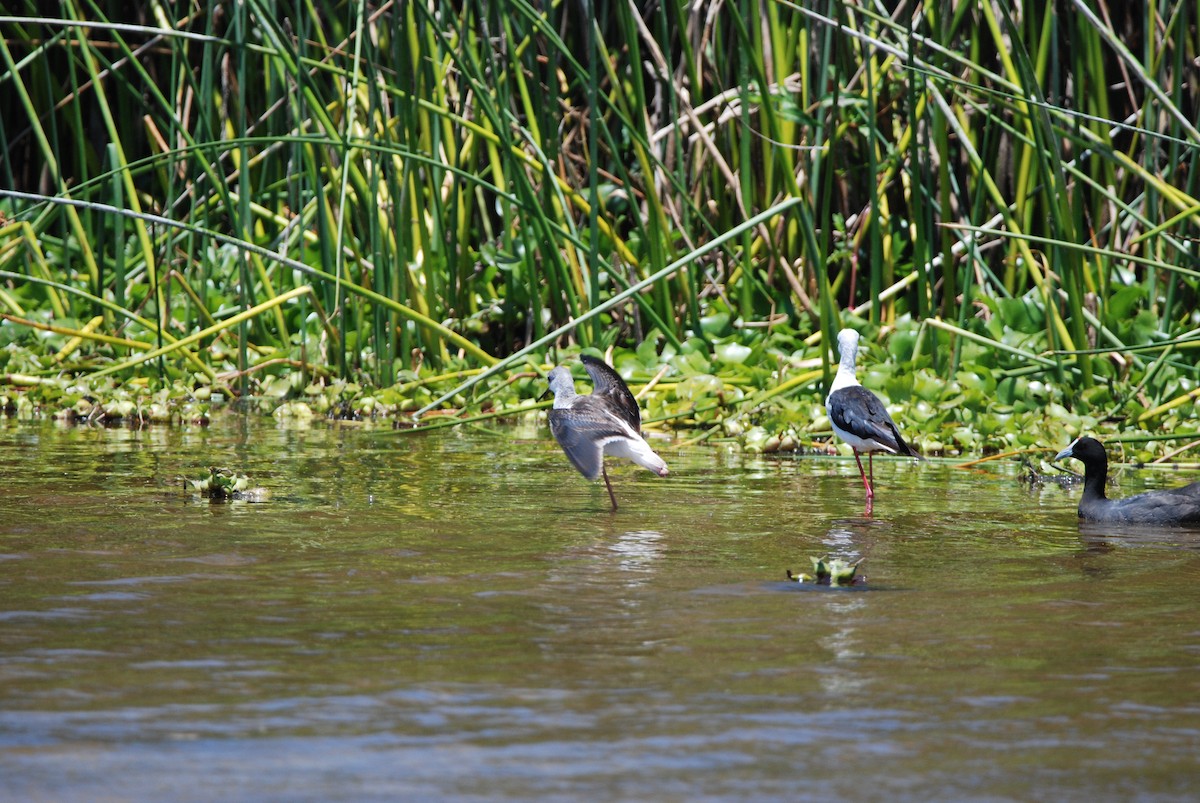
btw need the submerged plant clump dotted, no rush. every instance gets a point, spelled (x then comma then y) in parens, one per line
(224, 484)
(830, 572)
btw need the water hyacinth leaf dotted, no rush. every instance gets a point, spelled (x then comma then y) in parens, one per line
(1009, 389)
(1097, 396)
(754, 439)
(820, 569)
(827, 571)
(690, 362)
(698, 386)
(902, 345)
(899, 387)
(922, 412)
(498, 257)
(733, 353)
(717, 325)
(976, 377)
(876, 375)
(1141, 329)
(1122, 303)
(928, 387)
(647, 353)
(1022, 315)
(990, 424)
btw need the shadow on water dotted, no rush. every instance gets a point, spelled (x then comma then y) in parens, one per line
(460, 616)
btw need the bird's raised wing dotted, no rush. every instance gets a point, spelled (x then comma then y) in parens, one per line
(608, 384)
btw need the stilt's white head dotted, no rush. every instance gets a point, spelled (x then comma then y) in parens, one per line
(848, 348)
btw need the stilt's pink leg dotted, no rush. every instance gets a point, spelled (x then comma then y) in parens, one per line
(863, 474)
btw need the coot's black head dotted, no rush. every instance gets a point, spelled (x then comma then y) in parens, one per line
(1085, 450)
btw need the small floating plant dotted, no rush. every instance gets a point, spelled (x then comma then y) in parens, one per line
(829, 572)
(223, 484)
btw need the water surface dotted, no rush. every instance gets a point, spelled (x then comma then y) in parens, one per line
(459, 616)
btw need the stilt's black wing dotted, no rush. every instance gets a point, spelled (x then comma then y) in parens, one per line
(860, 412)
(608, 384)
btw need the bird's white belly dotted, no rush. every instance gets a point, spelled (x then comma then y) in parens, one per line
(637, 450)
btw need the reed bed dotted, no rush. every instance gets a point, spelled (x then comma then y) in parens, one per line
(239, 193)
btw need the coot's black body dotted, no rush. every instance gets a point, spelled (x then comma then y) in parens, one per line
(1173, 506)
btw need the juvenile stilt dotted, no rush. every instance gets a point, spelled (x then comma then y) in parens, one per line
(612, 496)
(608, 421)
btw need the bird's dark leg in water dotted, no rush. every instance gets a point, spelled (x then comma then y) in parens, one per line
(611, 495)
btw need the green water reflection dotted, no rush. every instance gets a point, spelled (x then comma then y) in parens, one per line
(460, 617)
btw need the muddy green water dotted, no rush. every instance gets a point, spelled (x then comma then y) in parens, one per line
(459, 617)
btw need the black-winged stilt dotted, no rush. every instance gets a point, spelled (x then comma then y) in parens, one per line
(859, 417)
